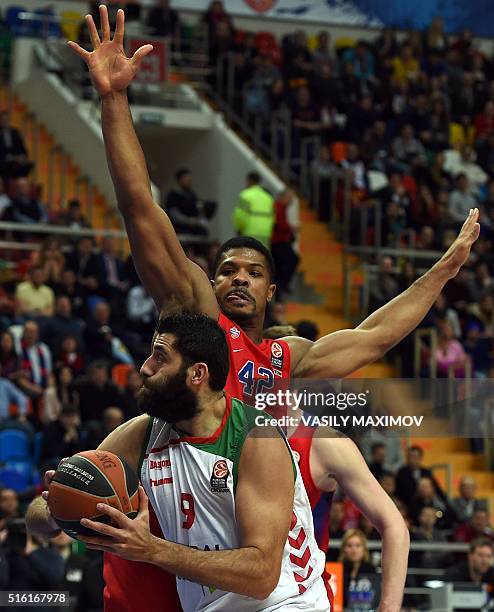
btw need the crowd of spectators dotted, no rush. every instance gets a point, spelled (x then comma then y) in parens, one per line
(430, 514)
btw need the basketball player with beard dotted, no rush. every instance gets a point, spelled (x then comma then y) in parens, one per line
(230, 501)
(243, 286)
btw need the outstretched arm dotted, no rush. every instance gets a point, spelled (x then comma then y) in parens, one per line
(159, 258)
(343, 462)
(338, 354)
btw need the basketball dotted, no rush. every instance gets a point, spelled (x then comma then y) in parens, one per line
(86, 479)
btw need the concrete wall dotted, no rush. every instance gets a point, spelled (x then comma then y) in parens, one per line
(218, 160)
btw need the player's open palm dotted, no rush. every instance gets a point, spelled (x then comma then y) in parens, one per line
(459, 251)
(110, 69)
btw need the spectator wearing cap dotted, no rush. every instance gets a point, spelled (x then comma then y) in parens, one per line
(254, 213)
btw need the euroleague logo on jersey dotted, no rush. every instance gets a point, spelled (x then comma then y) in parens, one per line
(277, 355)
(234, 332)
(219, 477)
(220, 469)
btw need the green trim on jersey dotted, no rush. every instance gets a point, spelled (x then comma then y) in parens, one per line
(145, 442)
(241, 421)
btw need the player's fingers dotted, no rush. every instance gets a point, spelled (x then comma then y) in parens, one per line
(79, 50)
(93, 32)
(106, 530)
(116, 515)
(140, 54)
(118, 37)
(104, 23)
(48, 477)
(143, 501)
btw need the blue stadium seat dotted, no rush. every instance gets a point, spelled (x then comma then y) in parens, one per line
(38, 438)
(14, 446)
(19, 475)
(18, 26)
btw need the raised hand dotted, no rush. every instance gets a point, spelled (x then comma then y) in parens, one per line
(459, 251)
(110, 69)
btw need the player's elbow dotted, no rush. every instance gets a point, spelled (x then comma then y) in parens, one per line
(266, 580)
(262, 589)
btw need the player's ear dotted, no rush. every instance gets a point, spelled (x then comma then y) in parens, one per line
(198, 373)
(271, 292)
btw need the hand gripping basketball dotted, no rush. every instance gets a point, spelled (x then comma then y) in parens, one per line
(131, 539)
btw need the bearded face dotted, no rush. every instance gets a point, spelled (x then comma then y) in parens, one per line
(168, 397)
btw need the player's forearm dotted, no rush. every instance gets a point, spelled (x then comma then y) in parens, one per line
(392, 322)
(394, 561)
(246, 571)
(39, 521)
(124, 153)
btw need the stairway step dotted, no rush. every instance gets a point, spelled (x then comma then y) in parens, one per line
(459, 461)
(446, 445)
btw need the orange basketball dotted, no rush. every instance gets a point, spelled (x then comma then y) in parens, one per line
(86, 479)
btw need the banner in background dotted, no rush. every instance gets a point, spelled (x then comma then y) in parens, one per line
(154, 67)
(457, 14)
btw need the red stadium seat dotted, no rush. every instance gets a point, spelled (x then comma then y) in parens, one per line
(120, 373)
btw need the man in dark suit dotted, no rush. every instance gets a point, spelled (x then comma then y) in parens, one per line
(110, 273)
(409, 475)
(14, 160)
(188, 213)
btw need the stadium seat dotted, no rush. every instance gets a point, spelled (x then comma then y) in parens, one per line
(338, 151)
(14, 445)
(18, 26)
(38, 438)
(70, 23)
(19, 475)
(120, 373)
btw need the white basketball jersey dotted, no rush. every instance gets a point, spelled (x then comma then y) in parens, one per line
(191, 484)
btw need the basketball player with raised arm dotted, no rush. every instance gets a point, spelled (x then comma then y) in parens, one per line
(229, 497)
(243, 286)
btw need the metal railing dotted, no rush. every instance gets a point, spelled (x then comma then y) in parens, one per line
(46, 229)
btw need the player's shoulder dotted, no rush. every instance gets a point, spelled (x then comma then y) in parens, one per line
(298, 348)
(127, 439)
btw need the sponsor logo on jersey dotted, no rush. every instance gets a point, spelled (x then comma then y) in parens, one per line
(277, 355)
(219, 477)
(234, 332)
(158, 465)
